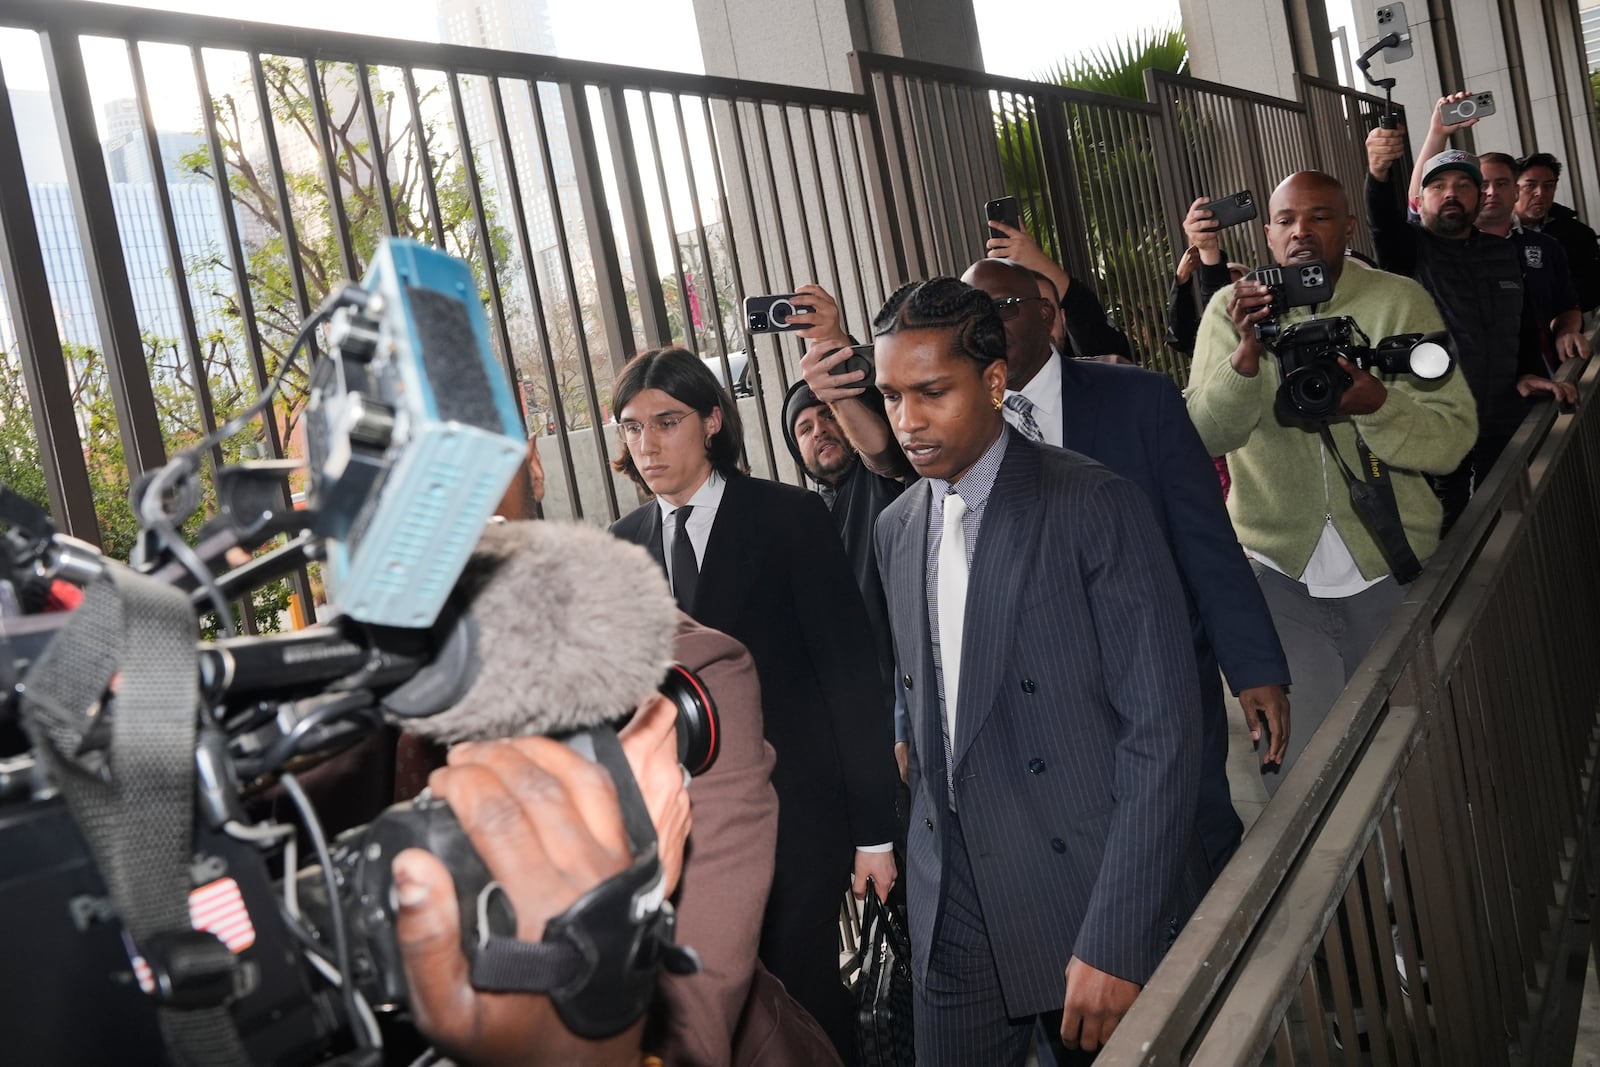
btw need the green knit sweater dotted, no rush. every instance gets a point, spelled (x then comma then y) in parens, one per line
(1284, 487)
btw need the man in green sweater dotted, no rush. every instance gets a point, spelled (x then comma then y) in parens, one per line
(1324, 577)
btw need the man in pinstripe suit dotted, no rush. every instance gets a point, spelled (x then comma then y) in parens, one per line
(1044, 647)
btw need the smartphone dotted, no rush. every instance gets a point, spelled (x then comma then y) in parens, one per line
(1232, 210)
(1299, 285)
(860, 359)
(770, 314)
(1004, 210)
(1476, 106)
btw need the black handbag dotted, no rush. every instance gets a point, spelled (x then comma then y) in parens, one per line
(883, 987)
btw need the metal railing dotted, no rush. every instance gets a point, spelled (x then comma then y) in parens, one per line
(1104, 182)
(1418, 890)
(605, 209)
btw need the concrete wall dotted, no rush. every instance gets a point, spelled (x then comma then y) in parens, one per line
(806, 42)
(1243, 43)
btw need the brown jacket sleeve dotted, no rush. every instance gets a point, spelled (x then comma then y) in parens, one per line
(728, 870)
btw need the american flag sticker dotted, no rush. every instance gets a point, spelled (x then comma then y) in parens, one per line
(217, 908)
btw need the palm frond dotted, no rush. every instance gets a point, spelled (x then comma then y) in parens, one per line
(1117, 67)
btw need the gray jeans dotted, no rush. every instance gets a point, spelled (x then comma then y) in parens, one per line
(1324, 640)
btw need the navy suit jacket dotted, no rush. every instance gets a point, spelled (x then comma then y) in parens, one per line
(1135, 422)
(1077, 754)
(776, 579)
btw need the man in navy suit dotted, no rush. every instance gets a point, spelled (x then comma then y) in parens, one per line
(761, 562)
(1055, 743)
(1135, 422)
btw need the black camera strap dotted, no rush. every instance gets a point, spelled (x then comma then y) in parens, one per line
(1372, 499)
(129, 779)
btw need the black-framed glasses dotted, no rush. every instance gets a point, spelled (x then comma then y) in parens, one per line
(1010, 307)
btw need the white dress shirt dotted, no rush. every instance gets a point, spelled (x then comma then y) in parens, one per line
(705, 502)
(1044, 393)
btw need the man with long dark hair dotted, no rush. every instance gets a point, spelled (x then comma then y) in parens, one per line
(761, 562)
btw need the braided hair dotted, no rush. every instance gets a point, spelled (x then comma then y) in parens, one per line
(948, 304)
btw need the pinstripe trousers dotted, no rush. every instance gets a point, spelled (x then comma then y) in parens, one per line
(960, 1015)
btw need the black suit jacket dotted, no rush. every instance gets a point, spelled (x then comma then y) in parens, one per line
(1077, 752)
(776, 579)
(1134, 421)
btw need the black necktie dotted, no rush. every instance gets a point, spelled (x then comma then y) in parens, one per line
(685, 571)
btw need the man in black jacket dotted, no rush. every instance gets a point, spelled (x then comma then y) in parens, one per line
(760, 561)
(1537, 177)
(1476, 280)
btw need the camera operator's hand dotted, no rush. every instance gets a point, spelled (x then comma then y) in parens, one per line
(1565, 393)
(546, 823)
(1366, 393)
(1200, 229)
(1384, 149)
(1249, 303)
(822, 325)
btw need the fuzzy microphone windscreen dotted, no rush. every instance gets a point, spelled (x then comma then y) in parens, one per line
(570, 628)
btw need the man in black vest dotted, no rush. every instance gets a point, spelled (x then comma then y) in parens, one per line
(1476, 280)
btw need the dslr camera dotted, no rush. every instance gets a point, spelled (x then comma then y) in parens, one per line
(1312, 381)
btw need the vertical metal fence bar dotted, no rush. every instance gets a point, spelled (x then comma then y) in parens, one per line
(44, 366)
(875, 219)
(419, 129)
(635, 216)
(704, 242)
(763, 271)
(380, 162)
(597, 223)
(725, 211)
(851, 229)
(803, 209)
(169, 234)
(480, 219)
(691, 342)
(582, 142)
(290, 233)
(322, 122)
(109, 287)
(519, 226)
(813, 150)
(884, 180)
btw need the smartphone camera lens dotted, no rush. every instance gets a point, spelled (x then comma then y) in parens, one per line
(758, 321)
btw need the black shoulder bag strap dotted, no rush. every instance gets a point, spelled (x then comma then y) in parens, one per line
(1372, 499)
(129, 783)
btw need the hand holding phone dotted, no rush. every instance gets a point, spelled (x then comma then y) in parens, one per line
(1006, 210)
(1232, 210)
(1476, 106)
(770, 314)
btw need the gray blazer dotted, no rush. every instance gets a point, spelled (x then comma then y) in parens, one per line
(1077, 752)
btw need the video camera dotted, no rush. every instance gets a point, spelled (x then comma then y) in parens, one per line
(412, 437)
(1311, 382)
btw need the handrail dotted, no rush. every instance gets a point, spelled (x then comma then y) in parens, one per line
(1274, 901)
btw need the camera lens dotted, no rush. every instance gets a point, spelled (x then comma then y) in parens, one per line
(758, 321)
(698, 735)
(1312, 392)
